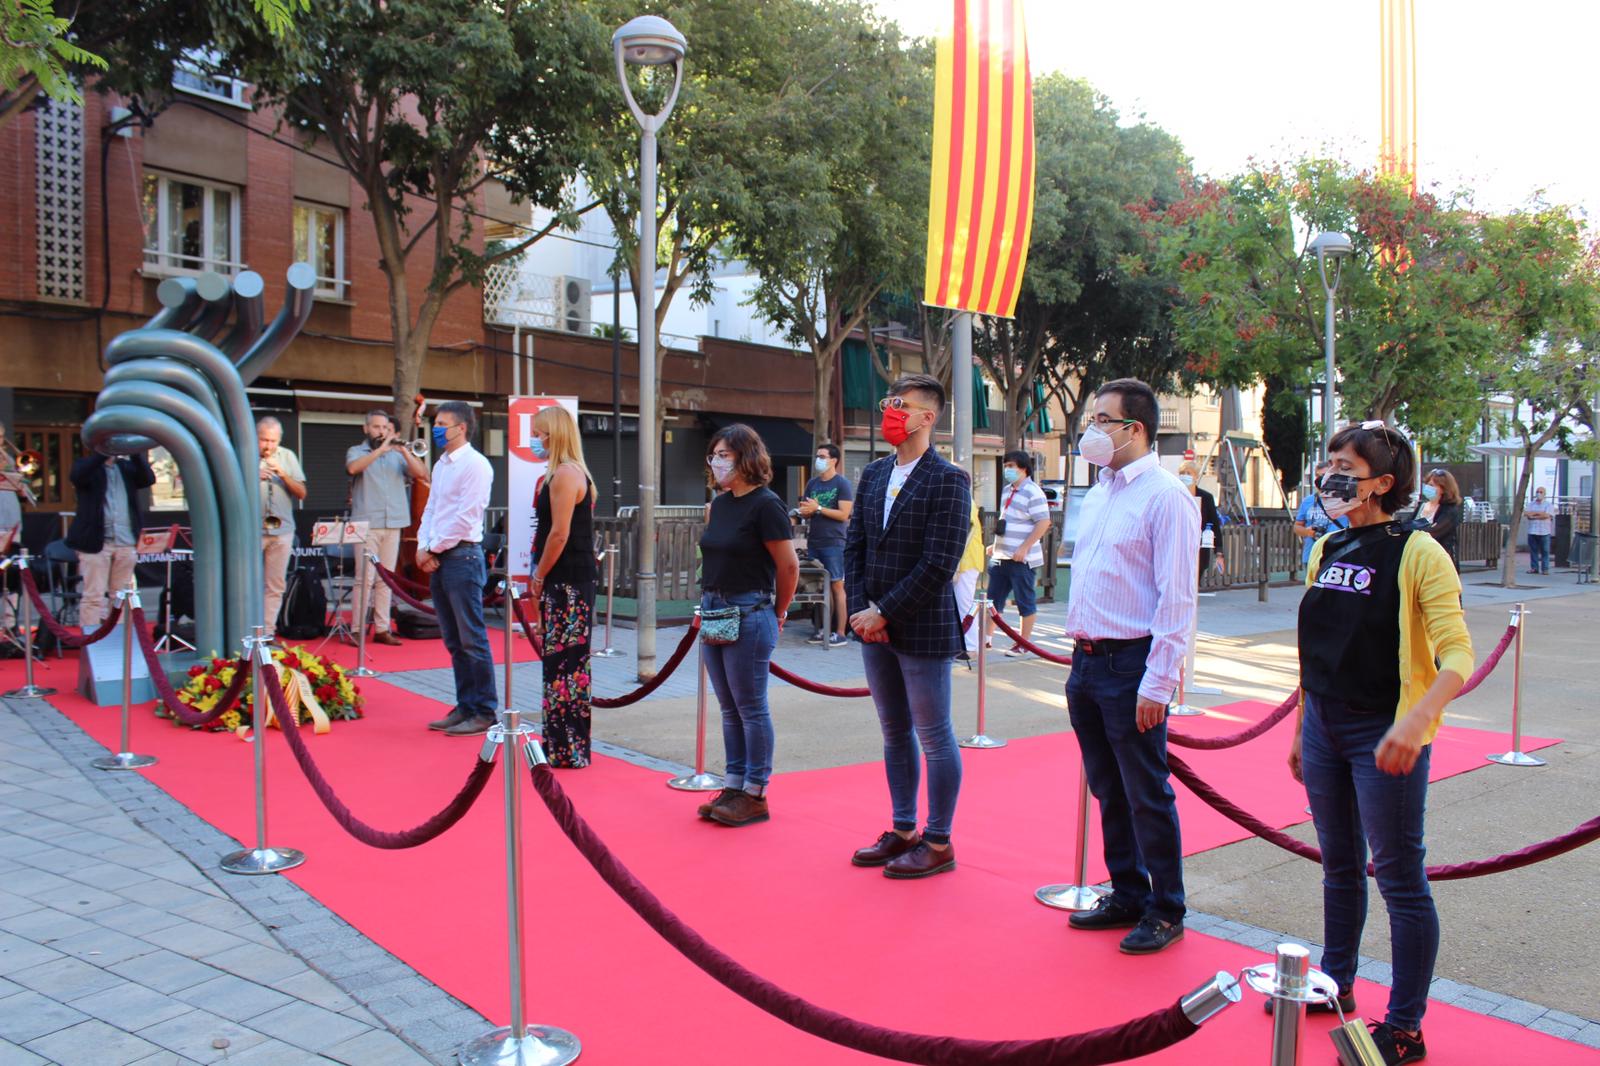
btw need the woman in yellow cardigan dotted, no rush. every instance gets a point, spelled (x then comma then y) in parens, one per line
(1383, 603)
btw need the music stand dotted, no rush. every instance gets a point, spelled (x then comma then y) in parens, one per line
(164, 541)
(337, 532)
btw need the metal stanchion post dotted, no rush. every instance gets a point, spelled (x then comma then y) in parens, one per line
(260, 859)
(362, 669)
(517, 1044)
(608, 651)
(699, 781)
(1181, 708)
(1080, 895)
(1516, 756)
(509, 590)
(980, 739)
(1291, 984)
(125, 759)
(28, 691)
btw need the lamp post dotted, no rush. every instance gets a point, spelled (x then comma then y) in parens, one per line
(1334, 246)
(648, 41)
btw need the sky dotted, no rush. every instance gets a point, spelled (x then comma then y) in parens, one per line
(1504, 90)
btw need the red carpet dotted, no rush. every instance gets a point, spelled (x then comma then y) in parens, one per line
(970, 953)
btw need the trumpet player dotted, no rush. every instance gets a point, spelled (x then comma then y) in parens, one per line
(379, 468)
(283, 483)
(106, 527)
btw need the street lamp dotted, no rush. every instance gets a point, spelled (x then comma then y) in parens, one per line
(648, 41)
(1334, 246)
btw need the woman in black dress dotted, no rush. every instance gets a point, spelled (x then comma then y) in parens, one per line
(1189, 474)
(563, 584)
(1441, 510)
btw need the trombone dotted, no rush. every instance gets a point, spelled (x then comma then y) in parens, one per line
(25, 462)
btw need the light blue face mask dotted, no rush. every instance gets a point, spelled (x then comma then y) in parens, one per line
(1011, 474)
(536, 446)
(1430, 492)
(820, 464)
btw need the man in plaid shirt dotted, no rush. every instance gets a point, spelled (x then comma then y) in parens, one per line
(905, 539)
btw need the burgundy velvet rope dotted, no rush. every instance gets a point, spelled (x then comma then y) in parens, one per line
(1028, 645)
(813, 686)
(1490, 661)
(377, 838)
(405, 597)
(1279, 713)
(67, 637)
(1586, 833)
(169, 696)
(650, 686)
(528, 630)
(1131, 1039)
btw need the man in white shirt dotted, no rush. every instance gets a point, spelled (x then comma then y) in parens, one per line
(450, 551)
(1132, 602)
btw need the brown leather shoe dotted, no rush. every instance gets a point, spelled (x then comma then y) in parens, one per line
(722, 797)
(741, 809)
(455, 717)
(383, 636)
(924, 860)
(889, 846)
(472, 725)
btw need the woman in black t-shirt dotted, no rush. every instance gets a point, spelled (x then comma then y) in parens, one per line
(563, 584)
(747, 561)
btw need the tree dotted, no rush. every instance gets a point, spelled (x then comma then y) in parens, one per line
(1432, 290)
(423, 102)
(1089, 309)
(838, 206)
(1550, 380)
(130, 46)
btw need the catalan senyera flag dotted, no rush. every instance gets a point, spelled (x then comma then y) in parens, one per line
(1397, 37)
(980, 200)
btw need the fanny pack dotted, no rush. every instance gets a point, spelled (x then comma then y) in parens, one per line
(720, 625)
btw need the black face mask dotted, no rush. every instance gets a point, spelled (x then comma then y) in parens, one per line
(1341, 486)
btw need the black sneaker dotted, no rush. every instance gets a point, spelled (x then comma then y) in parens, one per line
(1151, 935)
(1347, 1005)
(1107, 913)
(1396, 1045)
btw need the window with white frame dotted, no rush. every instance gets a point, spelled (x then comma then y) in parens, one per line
(319, 240)
(199, 74)
(190, 226)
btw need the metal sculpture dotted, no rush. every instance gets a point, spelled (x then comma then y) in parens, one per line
(169, 384)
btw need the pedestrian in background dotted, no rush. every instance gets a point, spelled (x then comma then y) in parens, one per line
(1189, 474)
(1441, 510)
(105, 530)
(1310, 520)
(827, 502)
(563, 584)
(747, 564)
(1018, 550)
(1383, 648)
(1541, 525)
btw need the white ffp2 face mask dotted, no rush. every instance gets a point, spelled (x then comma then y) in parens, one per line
(1095, 445)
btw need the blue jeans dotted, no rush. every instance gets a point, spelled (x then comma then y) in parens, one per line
(458, 598)
(1539, 552)
(1128, 775)
(738, 675)
(1354, 804)
(912, 694)
(1010, 578)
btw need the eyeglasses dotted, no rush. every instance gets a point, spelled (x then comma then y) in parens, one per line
(1106, 420)
(900, 403)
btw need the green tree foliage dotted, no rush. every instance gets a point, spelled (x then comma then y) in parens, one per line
(837, 206)
(1432, 291)
(1090, 310)
(129, 46)
(424, 101)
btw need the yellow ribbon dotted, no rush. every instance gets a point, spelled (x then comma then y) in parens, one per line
(297, 693)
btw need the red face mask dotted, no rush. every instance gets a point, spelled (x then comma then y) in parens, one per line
(894, 426)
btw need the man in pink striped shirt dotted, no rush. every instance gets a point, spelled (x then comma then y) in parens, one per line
(1133, 599)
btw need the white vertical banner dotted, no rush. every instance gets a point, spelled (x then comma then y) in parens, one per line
(524, 475)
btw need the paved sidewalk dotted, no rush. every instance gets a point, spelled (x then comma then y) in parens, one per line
(118, 943)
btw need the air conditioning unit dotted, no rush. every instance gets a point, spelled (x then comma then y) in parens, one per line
(572, 304)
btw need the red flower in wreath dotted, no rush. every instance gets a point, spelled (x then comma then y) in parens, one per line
(196, 670)
(326, 692)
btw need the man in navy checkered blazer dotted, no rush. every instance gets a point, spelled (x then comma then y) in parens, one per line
(906, 535)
